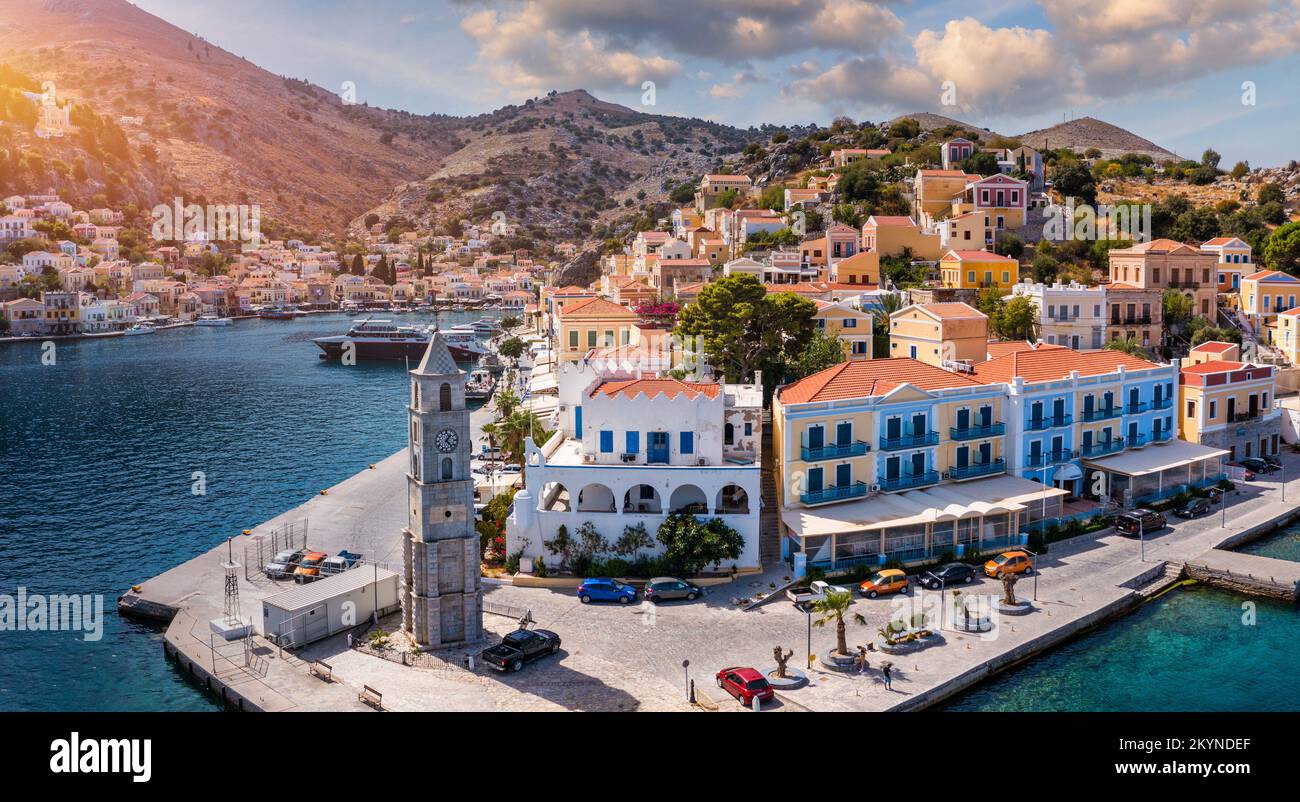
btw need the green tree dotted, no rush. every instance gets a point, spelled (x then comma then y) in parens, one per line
(773, 198)
(1177, 308)
(511, 348)
(1282, 248)
(1195, 225)
(358, 265)
(833, 608)
(980, 163)
(509, 322)
(821, 352)
(1130, 346)
(1018, 319)
(1045, 267)
(690, 545)
(743, 328)
(1075, 180)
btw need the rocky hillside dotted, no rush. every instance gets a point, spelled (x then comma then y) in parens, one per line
(929, 121)
(1087, 132)
(562, 166)
(211, 124)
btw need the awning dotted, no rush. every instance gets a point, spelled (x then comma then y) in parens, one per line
(542, 383)
(1154, 458)
(945, 502)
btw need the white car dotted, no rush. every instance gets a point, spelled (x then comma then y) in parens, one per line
(815, 592)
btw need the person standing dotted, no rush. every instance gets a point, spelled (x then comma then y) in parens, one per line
(886, 669)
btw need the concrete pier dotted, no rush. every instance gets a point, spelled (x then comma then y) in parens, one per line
(1247, 573)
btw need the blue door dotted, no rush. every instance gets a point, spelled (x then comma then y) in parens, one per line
(843, 475)
(814, 480)
(577, 422)
(963, 457)
(816, 437)
(656, 447)
(918, 464)
(844, 434)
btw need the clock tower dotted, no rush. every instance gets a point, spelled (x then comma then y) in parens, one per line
(442, 602)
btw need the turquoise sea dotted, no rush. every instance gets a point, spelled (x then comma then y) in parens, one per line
(98, 455)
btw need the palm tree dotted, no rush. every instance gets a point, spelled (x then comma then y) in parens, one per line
(832, 608)
(511, 431)
(1130, 346)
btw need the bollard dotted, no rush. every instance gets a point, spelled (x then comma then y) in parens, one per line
(692, 691)
(758, 704)
(469, 661)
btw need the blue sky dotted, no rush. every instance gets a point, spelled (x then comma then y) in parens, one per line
(1170, 70)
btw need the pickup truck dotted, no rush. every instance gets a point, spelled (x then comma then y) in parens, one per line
(814, 593)
(519, 647)
(339, 563)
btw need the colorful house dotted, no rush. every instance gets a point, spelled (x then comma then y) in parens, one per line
(1234, 262)
(1266, 294)
(939, 333)
(978, 269)
(894, 235)
(1228, 404)
(850, 325)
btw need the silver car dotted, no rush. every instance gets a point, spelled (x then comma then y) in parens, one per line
(663, 588)
(284, 563)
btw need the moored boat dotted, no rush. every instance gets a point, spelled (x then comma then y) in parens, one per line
(374, 339)
(212, 320)
(140, 328)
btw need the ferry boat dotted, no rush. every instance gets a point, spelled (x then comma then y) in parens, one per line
(212, 320)
(278, 314)
(138, 329)
(382, 339)
(483, 327)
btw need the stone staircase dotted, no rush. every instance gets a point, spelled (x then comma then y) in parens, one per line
(769, 522)
(1171, 573)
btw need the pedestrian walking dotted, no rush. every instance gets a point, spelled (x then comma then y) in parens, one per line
(886, 668)
(862, 660)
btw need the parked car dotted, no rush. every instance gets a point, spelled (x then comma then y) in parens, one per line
(1249, 474)
(1009, 562)
(339, 563)
(888, 580)
(283, 563)
(1139, 522)
(308, 569)
(662, 588)
(1275, 461)
(605, 589)
(815, 592)
(950, 574)
(1193, 508)
(519, 647)
(745, 684)
(1258, 465)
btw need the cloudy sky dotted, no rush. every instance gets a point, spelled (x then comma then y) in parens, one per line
(1170, 70)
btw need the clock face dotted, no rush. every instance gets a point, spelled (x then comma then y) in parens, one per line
(446, 440)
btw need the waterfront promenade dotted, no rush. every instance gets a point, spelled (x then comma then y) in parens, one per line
(621, 658)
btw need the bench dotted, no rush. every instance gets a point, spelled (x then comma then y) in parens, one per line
(322, 669)
(370, 696)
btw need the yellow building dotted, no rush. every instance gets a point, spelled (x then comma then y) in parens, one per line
(850, 326)
(1228, 404)
(593, 323)
(1266, 294)
(939, 332)
(935, 190)
(1288, 335)
(861, 268)
(977, 269)
(892, 235)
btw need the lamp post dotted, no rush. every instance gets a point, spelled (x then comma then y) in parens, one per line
(807, 608)
(1033, 564)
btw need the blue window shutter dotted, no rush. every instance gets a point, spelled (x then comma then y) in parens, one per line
(607, 442)
(688, 443)
(577, 422)
(633, 442)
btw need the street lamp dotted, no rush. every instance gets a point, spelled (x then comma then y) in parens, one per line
(807, 608)
(1033, 564)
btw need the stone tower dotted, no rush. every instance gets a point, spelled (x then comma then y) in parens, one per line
(443, 600)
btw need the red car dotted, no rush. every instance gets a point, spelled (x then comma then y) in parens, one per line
(745, 684)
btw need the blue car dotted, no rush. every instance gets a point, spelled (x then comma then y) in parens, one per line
(605, 589)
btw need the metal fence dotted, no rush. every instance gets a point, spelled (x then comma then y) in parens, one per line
(262, 547)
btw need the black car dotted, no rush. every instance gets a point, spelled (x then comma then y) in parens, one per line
(519, 647)
(1138, 522)
(1193, 508)
(1257, 465)
(950, 574)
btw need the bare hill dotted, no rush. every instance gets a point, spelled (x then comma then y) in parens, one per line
(1088, 132)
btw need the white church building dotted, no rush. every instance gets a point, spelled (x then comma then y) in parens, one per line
(633, 447)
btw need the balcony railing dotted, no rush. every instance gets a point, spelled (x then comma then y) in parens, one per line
(1136, 409)
(1163, 436)
(910, 480)
(1136, 441)
(1105, 413)
(834, 493)
(1163, 403)
(1049, 422)
(1242, 417)
(1104, 447)
(974, 469)
(835, 451)
(1134, 320)
(1048, 458)
(977, 432)
(909, 441)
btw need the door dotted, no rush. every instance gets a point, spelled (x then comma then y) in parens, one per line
(843, 434)
(918, 425)
(963, 457)
(816, 437)
(814, 480)
(986, 453)
(843, 475)
(1088, 402)
(1036, 453)
(963, 419)
(1108, 401)
(657, 447)
(918, 464)
(891, 468)
(1058, 411)
(577, 422)
(1232, 409)
(986, 416)
(1036, 415)
(893, 428)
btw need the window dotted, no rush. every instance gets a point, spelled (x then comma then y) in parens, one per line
(1214, 409)
(609, 338)
(633, 442)
(1191, 409)
(591, 338)
(446, 469)
(749, 429)
(444, 397)
(687, 444)
(850, 323)
(573, 338)
(606, 442)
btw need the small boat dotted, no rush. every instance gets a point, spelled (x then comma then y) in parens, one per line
(140, 328)
(212, 320)
(278, 314)
(478, 387)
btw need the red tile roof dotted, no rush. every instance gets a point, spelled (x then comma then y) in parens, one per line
(595, 307)
(1052, 364)
(671, 388)
(979, 256)
(891, 220)
(1003, 348)
(871, 378)
(1215, 346)
(1215, 366)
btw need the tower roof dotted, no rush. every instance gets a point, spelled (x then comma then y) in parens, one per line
(437, 359)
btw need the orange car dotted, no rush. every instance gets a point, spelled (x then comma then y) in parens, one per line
(889, 580)
(309, 569)
(1009, 562)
